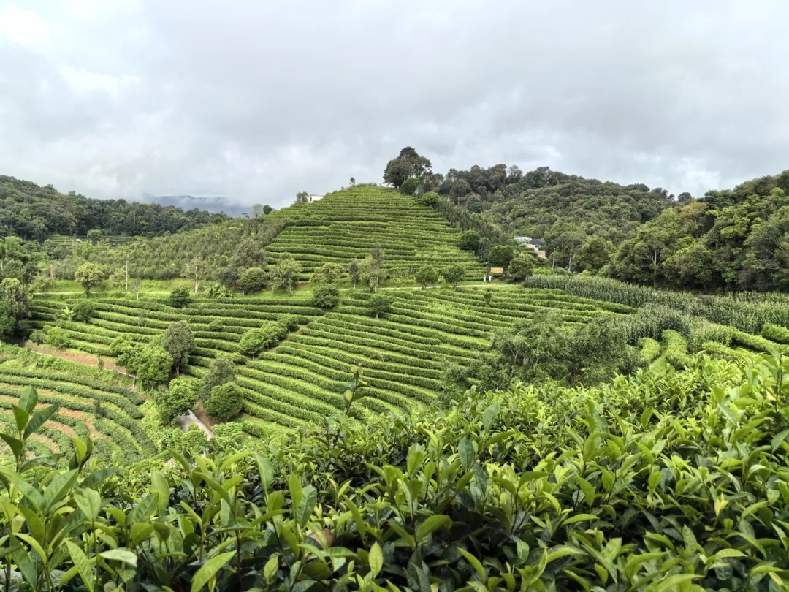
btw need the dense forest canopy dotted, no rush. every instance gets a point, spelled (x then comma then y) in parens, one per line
(32, 212)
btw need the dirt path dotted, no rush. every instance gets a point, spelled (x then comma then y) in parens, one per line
(191, 419)
(79, 357)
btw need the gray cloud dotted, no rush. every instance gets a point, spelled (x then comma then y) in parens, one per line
(258, 100)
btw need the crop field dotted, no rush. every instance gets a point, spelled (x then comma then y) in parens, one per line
(99, 404)
(403, 354)
(347, 224)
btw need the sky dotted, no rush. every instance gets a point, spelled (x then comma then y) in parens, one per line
(256, 101)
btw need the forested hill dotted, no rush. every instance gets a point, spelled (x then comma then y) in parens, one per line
(554, 206)
(734, 239)
(32, 212)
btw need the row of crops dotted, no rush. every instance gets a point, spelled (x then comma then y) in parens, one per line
(347, 224)
(101, 405)
(403, 354)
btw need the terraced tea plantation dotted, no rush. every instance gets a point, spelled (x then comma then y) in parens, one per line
(403, 355)
(99, 404)
(346, 224)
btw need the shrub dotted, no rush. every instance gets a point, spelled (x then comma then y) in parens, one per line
(120, 345)
(253, 279)
(775, 333)
(410, 186)
(179, 297)
(38, 337)
(215, 326)
(326, 296)
(290, 322)
(470, 241)
(57, 338)
(255, 341)
(225, 402)
(83, 310)
(178, 399)
(429, 198)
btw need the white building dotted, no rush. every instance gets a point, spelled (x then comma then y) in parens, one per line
(315, 197)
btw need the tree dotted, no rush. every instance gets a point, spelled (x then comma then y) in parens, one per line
(354, 271)
(328, 273)
(151, 364)
(353, 181)
(469, 241)
(94, 235)
(501, 255)
(379, 304)
(256, 341)
(83, 310)
(197, 270)
(179, 342)
(326, 296)
(453, 274)
(14, 298)
(521, 267)
(118, 278)
(397, 171)
(371, 272)
(426, 276)
(179, 399)
(267, 209)
(179, 297)
(594, 254)
(409, 186)
(136, 286)
(225, 402)
(285, 274)
(568, 243)
(89, 275)
(302, 197)
(227, 277)
(253, 279)
(221, 371)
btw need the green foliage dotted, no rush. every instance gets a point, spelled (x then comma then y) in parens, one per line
(57, 338)
(179, 342)
(285, 274)
(179, 398)
(453, 274)
(439, 496)
(83, 310)
(220, 372)
(252, 280)
(429, 199)
(179, 297)
(775, 333)
(151, 364)
(326, 296)
(225, 402)
(427, 275)
(470, 241)
(409, 186)
(90, 276)
(521, 267)
(328, 273)
(379, 304)
(256, 341)
(501, 255)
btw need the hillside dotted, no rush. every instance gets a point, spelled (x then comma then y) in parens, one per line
(346, 224)
(733, 239)
(32, 212)
(564, 210)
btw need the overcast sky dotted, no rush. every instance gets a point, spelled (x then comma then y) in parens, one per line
(256, 100)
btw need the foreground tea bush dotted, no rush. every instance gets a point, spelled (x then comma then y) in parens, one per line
(664, 480)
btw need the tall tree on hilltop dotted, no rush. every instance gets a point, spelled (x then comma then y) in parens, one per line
(409, 164)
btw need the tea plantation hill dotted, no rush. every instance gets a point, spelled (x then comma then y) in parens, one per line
(403, 354)
(346, 224)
